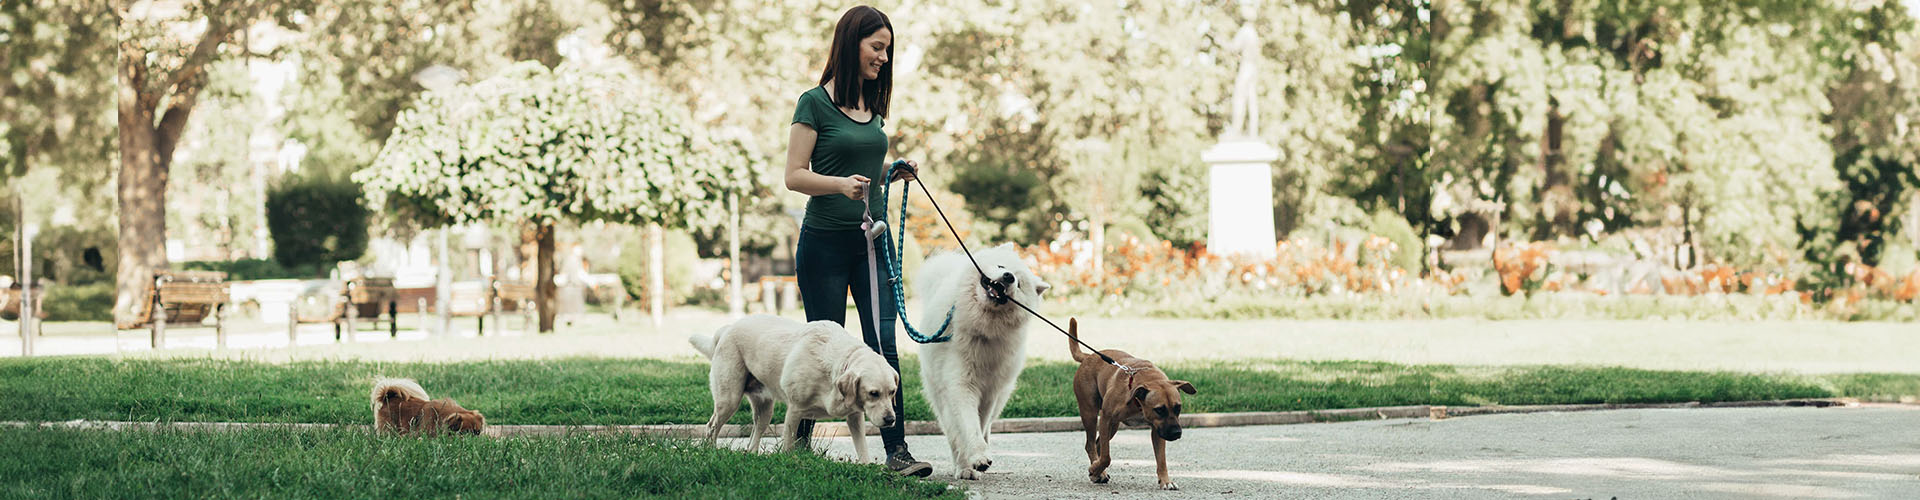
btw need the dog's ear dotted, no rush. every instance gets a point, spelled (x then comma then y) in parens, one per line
(1184, 386)
(849, 385)
(1042, 287)
(1073, 328)
(1139, 394)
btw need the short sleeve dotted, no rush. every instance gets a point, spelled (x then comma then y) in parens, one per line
(805, 111)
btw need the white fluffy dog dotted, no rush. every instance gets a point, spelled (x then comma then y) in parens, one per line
(968, 379)
(818, 369)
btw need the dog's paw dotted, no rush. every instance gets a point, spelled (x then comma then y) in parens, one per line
(1169, 486)
(980, 463)
(968, 474)
(1100, 478)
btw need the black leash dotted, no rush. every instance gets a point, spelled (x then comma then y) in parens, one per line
(1002, 289)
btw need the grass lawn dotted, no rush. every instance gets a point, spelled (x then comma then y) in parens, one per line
(348, 463)
(647, 391)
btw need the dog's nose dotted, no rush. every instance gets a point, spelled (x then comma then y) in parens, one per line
(887, 422)
(1172, 434)
(1006, 277)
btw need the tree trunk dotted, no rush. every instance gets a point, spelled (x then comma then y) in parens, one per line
(226, 224)
(23, 265)
(1556, 186)
(147, 139)
(656, 272)
(736, 304)
(1686, 239)
(1098, 233)
(443, 281)
(142, 188)
(543, 289)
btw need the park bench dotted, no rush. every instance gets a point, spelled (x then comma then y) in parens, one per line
(415, 299)
(606, 289)
(357, 298)
(479, 299)
(779, 293)
(10, 302)
(514, 297)
(180, 298)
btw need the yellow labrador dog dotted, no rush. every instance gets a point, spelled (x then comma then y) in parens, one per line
(818, 369)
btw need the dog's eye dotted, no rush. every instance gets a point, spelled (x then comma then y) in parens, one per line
(1162, 410)
(873, 393)
(1176, 408)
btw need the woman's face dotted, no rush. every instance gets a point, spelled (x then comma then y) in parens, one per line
(873, 52)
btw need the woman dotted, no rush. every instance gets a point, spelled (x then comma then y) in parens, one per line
(834, 150)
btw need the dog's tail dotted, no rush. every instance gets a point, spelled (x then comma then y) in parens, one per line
(705, 343)
(1073, 340)
(389, 390)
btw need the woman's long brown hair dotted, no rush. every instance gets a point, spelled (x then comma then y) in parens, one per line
(843, 62)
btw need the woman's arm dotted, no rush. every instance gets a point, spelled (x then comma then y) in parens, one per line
(804, 181)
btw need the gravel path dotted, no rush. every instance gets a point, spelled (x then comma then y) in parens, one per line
(1870, 452)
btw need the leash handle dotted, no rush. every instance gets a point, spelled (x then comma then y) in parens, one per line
(893, 258)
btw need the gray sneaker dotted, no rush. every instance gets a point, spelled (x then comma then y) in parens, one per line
(902, 462)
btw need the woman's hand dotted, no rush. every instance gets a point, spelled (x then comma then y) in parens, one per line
(907, 174)
(854, 186)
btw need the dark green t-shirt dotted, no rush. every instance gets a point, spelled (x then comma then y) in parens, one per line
(845, 147)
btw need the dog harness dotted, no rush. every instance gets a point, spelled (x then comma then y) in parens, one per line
(877, 229)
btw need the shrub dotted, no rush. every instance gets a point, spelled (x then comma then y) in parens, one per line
(255, 269)
(1522, 268)
(92, 302)
(1003, 197)
(76, 255)
(316, 221)
(1178, 197)
(1407, 247)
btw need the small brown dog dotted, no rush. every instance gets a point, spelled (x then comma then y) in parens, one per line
(401, 406)
(1109, 396)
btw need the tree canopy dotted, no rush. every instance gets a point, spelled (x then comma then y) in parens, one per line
(539, 145)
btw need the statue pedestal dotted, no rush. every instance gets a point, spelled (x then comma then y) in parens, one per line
(1240, 208)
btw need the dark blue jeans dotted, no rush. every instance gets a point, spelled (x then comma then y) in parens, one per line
(830, 265)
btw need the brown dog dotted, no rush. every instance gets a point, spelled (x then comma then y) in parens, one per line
(1109, 396)
(401, 406)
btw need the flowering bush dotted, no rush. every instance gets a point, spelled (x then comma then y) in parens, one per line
(1297, 269)
(1523, 268)
(1139, 271)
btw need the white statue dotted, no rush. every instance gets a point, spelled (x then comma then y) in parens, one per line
(1245, 121)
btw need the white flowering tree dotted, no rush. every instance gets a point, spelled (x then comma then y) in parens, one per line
(537, 146)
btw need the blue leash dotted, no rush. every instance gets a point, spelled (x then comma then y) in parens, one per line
(894, 260)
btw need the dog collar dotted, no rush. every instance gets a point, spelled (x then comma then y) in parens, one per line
(1130, 371)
